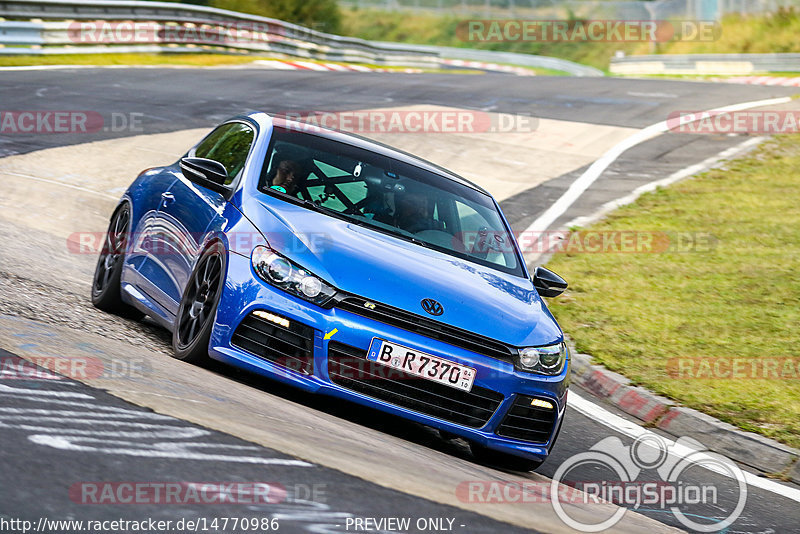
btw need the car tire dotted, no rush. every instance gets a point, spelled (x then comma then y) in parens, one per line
(493, 458)
(106, 281)
(198, 308)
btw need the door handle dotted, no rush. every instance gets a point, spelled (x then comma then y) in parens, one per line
(167, 198)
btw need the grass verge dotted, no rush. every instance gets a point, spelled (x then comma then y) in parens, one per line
(776, 32)
(442, 30)
(646, 315)
(741, 34)
(189, 60)
(197, 60)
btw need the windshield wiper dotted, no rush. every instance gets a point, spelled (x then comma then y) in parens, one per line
(419, 242)
(404, 237)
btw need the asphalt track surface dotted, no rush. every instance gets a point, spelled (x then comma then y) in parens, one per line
(300, 496)
(36, 477)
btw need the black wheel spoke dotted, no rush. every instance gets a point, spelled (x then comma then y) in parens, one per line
(106, 276)
(215, 268)
(205, 269)
(200, 298)
(190, 336)
(99, 277)
(185, 324)
(212, 285)
(108, 247)
(108, 263)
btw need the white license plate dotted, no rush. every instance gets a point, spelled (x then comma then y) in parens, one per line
(421, 364)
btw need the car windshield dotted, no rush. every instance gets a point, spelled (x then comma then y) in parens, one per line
(390, 196)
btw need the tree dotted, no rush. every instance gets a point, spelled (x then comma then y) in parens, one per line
(322, 15)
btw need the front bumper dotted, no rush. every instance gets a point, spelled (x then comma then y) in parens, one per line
(351, 334)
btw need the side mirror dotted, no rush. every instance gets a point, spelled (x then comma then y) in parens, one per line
(206, 172)
(548, 283)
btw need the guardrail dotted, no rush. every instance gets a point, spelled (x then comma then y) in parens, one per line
(141, 26)
(76, 26)
(716, 64)
(512, 58)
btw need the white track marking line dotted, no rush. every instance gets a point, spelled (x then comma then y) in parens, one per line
(308, 65)
(41, 392)
(73, 443)
(579, 186)
(633, 430)
(671, 179)
(138, 392)
(273, 64)
(56, 182)
(335, 66)
(268, 63)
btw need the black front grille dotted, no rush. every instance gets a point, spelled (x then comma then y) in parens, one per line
(291, 347)
(427, 327)
(348, 366)
(526, 422)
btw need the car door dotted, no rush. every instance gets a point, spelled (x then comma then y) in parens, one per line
(146, 198)
(187, 211)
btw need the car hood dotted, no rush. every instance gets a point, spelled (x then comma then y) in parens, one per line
(386, 269)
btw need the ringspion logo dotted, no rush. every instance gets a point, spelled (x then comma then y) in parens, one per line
(620, 467)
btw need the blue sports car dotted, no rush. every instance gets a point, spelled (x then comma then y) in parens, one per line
(345, 267)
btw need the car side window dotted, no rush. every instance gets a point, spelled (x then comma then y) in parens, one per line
(354, 189)
(229, 144)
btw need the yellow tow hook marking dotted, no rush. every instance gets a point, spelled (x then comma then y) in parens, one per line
(330, 334)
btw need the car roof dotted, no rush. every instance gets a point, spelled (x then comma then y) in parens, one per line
(373, 146)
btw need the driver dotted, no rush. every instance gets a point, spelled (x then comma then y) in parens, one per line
(414, 213)
(288, 177)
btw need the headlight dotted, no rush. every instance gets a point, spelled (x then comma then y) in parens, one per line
(547, 360)
(283, 273)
